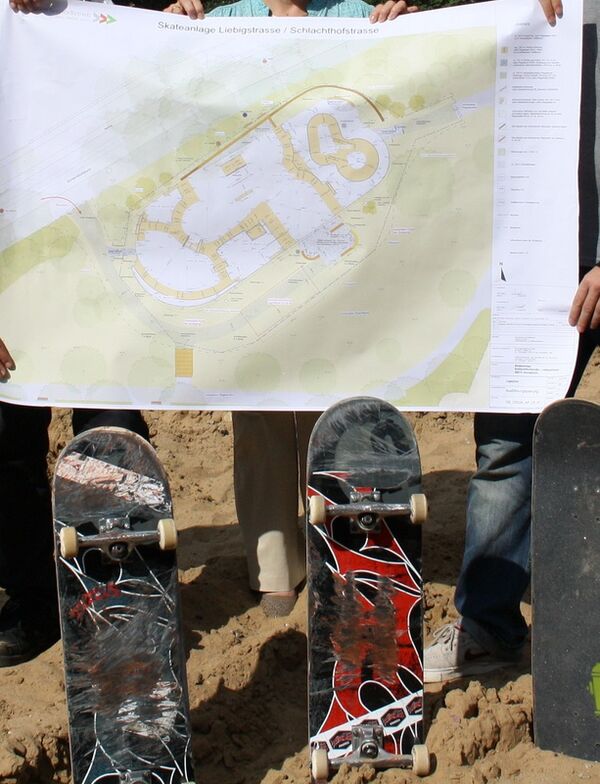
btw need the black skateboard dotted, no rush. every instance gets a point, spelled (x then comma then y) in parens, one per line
(124, 660)
(566, 579)
(365, 682)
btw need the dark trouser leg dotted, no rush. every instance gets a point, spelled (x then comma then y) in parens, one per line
(26, 541)
(29, 620)
(86, 418)
(26, 563)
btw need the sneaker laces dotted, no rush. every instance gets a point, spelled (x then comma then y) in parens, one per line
(448, 635)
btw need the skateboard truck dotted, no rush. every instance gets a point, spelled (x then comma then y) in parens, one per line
(136, 777)
(367, 510)
(366, 521)
(116, 539)
(367, 741)
(367, 746)
(140, 777)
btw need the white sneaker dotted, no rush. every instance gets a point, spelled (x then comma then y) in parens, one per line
(455, 654)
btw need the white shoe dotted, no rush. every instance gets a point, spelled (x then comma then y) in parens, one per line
(455, 654)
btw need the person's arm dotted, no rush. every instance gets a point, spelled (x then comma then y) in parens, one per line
(553, 9)
(585, 310)
(196, 9)
(192, 8)
(29, 6)
(385, 12)
(7, 363)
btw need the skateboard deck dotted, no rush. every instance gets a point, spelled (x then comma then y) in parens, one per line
(566, 579)
(365, 672)
(124, 659)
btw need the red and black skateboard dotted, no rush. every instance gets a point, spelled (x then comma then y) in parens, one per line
(365, 683)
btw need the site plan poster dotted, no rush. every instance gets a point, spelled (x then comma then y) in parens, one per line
(277, 214)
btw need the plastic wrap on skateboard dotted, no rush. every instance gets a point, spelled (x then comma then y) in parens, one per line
(118, 591)
(365, 589)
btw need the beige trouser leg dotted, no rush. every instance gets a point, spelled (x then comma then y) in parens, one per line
(269, 447)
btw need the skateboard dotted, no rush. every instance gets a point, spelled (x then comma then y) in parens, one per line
(365, 670)
(566, 579)
(125, 675)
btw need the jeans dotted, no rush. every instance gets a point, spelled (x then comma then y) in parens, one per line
(495, 571)
(26, 531)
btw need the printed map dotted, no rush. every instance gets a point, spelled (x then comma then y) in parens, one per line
(249, 216)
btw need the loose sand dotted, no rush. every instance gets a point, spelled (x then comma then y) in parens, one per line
(247, 673)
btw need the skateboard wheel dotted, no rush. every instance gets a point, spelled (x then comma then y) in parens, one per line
(319, 762)
(418, 508)
(167, 534)
(69, 543)
(317, 514)
(421, 762)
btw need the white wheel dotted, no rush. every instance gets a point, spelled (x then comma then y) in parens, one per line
(317, 513)
(418, 508)
(69, 544)
(167, 534)
(319, 764)
(420, 759)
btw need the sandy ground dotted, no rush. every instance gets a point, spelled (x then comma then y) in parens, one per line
(247, 673)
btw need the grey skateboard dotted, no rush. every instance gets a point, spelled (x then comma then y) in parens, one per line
(566, 579)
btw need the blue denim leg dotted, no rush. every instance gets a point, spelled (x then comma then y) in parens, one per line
(495, 570)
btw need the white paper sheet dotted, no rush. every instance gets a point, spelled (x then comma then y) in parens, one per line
(276, 214)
